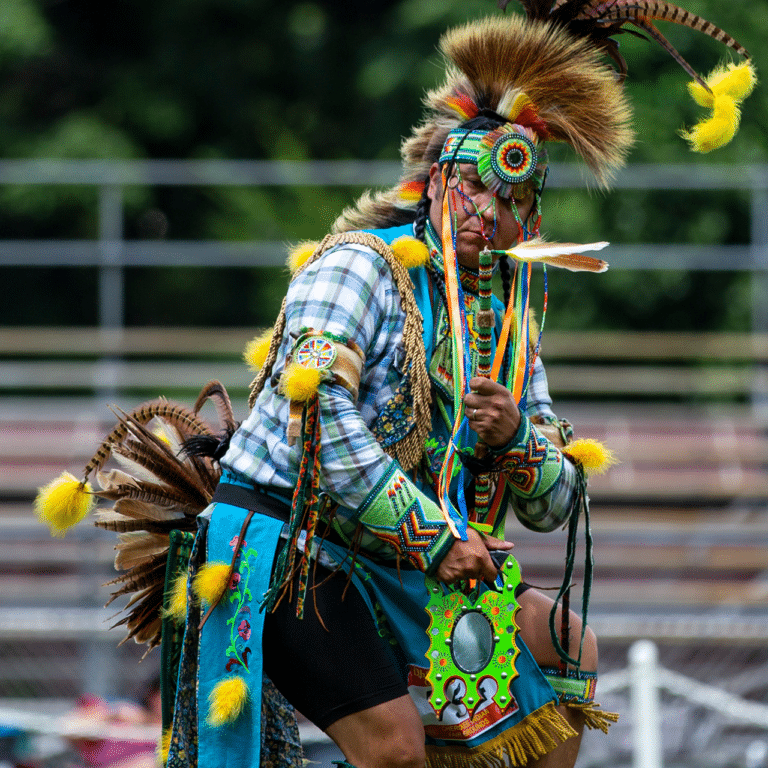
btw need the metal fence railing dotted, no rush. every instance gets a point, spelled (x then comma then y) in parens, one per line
(111, 253)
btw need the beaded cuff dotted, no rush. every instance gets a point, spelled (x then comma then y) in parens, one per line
(576, 687)
(397, 512)
(531, 464)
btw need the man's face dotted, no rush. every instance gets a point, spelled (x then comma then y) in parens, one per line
(482, 219)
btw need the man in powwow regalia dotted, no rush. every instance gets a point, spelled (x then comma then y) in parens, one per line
(353, 561)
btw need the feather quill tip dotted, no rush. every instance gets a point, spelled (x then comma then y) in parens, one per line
(226, 701)
(64, 502)
(301, 383)
(177, 600)
(410, 252)
(591, 455)
(257, 349)
(300, 254)
(211, 581)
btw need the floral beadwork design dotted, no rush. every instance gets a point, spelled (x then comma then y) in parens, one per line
(239, 598)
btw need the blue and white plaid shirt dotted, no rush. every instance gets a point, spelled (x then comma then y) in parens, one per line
(349, 292)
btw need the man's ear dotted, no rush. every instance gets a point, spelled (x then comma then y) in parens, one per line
(435, 188)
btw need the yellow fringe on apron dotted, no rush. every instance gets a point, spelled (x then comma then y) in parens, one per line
(535, 736)
(594, 717)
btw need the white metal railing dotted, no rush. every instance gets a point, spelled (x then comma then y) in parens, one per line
(112, 253)
(644, 678)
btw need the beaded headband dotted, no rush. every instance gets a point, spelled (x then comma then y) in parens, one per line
(506, 157)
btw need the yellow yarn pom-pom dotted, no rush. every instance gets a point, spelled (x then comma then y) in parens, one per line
(592, 455)
(299, 254)
(729, 86)
(300, 383)
(227, 700)
(211, 581)
(177, 605)
(410, 252)
(64, 502)
(164, 746)
(257, 349)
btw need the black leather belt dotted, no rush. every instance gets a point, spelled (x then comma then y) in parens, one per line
(253, 499)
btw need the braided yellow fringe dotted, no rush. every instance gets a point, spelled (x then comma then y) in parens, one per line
(595, 718)
(409, 450)
(535, 736)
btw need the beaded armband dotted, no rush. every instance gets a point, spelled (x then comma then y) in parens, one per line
(397, 512)
(532, 465)
(338, 360)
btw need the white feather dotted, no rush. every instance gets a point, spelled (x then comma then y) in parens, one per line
(539, 250)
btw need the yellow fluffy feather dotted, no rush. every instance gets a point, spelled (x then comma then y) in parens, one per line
(729, 85)
(410, 252)
(211, 581)
(63, 503)
(177, 607)
(299, 254)
(592, 455)
(256, 350)
(300, 383)
(226, 701)
(164, 746)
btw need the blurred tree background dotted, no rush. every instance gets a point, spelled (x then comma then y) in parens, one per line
(332, 79)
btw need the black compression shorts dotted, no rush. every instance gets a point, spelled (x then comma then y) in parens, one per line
(327, 675)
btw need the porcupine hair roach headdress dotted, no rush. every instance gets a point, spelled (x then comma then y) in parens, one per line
(546, 71)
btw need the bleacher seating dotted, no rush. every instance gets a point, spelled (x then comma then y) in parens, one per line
(680, 523)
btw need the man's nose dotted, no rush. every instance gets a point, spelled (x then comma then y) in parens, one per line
(485, 205)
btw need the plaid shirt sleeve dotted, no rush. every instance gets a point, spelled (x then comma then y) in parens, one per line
(542, 481)
(349, 293)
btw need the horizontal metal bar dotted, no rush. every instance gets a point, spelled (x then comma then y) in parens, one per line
(367, 173)
(267, 253)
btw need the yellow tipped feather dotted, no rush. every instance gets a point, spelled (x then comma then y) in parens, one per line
(226, 701)
(299, 254)
(729, 85)
(300, 383)
(161, 435)
(177, 607)
(63, 503)
(256, 350)
(211, 581)
(592, 455)
(410, 252)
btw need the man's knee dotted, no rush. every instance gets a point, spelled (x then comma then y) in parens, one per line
(407, 754)
(589, 651)
(388, 735)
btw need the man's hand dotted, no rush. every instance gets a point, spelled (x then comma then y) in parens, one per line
(470, 559)
(492, 411)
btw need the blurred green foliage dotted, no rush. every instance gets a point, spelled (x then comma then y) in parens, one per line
(246, 79)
